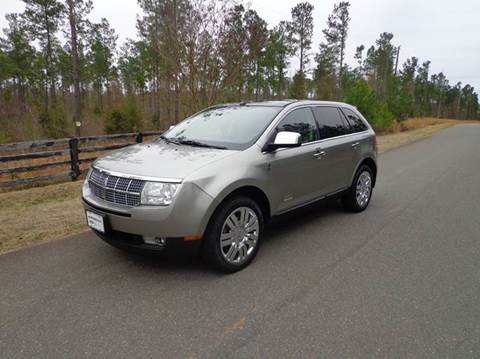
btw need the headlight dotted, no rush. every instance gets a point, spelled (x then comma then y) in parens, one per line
(158, 193)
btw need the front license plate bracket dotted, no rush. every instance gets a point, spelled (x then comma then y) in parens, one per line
(97, 221)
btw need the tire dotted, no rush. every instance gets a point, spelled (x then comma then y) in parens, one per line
(231, 243)
(358, 203)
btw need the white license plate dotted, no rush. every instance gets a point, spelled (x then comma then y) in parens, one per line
(95, 221)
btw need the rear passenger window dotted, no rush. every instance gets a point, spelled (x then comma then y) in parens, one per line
(301, 121)
(330, 122)
(354, 120)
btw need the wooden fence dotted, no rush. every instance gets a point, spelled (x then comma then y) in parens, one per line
(30, 163)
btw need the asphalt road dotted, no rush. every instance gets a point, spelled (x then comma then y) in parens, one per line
(399, 280)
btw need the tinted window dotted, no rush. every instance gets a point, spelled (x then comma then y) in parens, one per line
(330, 122)
(354, 120)
(300, 121)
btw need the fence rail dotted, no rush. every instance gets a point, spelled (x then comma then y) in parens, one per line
(62, 156)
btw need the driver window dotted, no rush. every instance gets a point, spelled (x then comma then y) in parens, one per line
(301, 121)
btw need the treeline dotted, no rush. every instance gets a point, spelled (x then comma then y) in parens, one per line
(59, 70)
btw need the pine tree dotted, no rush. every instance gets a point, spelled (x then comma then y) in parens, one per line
(325, 76)
(336, 34)
(406, 88)
(43, 19)
(233, 47)
(18, 59)
(422, 90)
(278, 50)
(100, 57)
(77, 11)
(359, 58)
(256, 40)
(301, 28)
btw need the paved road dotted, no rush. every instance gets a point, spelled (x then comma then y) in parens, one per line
(399, 280)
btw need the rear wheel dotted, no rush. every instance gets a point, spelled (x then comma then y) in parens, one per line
(359, 195)
(232, 238)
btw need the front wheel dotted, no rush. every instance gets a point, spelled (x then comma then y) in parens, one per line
(360, 193)
(232, 238)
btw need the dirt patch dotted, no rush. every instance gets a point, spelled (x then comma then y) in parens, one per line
(52, 212)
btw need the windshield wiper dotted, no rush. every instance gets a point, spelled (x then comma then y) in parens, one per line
(199, 144)
(169, 140)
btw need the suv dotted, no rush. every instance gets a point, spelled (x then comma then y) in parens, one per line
(217, 177)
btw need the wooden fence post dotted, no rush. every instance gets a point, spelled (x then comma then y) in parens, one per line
(139, 137)
(74, 162)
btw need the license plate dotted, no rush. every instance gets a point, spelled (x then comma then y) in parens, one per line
(95, 221)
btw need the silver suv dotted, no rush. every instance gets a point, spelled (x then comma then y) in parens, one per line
(216, 178)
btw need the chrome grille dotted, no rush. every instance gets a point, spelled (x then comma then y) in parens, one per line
(120, 190)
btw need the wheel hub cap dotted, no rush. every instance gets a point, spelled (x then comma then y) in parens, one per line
(364, 188)
(239, 235)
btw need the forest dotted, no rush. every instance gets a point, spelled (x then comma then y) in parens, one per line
(63, 75)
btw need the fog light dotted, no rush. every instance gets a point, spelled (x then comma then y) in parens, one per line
(156, 241)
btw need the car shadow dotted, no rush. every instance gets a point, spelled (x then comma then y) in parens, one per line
(291, 221)
(183, 260)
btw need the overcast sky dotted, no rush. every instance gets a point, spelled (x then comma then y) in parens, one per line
(447, 32)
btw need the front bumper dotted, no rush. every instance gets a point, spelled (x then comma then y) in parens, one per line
(134, 243)
(187, 216)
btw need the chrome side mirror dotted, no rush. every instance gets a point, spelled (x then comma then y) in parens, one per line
(285, 139)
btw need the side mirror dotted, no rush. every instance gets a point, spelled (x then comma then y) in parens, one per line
(285, 139)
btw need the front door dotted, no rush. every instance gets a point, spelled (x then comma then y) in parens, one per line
(293, 175)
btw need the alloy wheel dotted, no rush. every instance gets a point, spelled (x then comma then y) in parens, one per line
(364, 188)
(239, 235)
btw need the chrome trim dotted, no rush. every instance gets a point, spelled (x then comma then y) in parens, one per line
(317, 199)
(321, 141)
(295, 106)
(333, 138)
(116, 189)
(144, 178)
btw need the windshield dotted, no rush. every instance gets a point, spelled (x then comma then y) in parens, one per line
(232, 127)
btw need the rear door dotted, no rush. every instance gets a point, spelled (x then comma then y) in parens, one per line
(336, 143)
(362, 141)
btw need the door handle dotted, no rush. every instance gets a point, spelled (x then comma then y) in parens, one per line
(319, 154)
(355, 144)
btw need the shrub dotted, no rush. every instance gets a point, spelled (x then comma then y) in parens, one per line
(54, 123)
(361, 95)
(298, 88)
(382, 117)
(4, 137)
(377, 112)
(124, 118)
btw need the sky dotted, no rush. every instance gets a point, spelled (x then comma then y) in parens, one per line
(446, 32)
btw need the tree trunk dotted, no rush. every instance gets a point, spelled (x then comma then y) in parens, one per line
(342, 54)
(49, 62)
(176, 114)
(301, 57)
(75, 65)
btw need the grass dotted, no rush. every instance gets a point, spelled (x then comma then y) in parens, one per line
(413, 129)
(37, 215)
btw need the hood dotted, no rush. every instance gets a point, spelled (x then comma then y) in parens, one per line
(159, 159)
